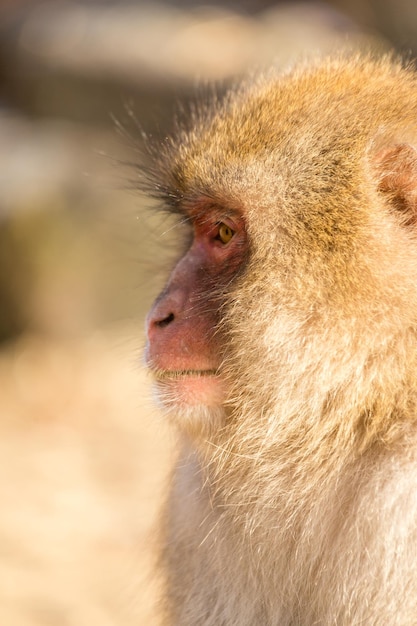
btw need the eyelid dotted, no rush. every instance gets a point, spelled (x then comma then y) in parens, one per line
(209, 225)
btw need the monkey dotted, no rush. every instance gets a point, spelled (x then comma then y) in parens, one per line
(283, 348)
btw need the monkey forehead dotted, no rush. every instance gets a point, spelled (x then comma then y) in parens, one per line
(310, 124)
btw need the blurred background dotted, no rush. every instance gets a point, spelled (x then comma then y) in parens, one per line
(83, 456)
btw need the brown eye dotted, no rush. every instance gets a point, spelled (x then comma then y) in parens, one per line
(225, 233)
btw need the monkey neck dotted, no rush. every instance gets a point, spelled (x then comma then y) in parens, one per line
(357, 399)
(283, 479)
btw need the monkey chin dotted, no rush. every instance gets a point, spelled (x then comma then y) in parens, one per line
(192, 399)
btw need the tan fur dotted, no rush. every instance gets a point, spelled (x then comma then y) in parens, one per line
(301, 509)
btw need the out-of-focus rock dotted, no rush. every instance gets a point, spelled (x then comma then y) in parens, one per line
(77, 58)
(82, 471)
(74, 247)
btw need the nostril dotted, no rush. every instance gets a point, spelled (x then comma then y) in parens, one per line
(167, 320)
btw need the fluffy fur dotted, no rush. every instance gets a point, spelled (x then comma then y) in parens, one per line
(301, 509)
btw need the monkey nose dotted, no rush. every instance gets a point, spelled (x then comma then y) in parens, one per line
(165, 321)
(166, 310)
(158, 319)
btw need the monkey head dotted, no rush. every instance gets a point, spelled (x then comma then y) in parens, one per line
(300, 192)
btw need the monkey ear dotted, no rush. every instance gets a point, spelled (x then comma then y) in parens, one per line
(396, 168)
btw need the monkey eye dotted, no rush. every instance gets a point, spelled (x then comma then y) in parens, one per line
(225, 233)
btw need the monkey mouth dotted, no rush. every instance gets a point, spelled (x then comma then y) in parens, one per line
(177, 374)
(181, 388)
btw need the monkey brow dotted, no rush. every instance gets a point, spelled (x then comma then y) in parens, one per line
(171, 199)
(188, 206)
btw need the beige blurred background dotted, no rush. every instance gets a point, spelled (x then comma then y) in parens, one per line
(83, 456)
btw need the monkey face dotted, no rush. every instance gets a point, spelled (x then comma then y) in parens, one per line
(301, 210)
(184, 343)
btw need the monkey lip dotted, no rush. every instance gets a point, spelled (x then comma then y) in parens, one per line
(178, 374)
(189, 387)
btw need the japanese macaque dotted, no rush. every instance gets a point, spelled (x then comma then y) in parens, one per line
(284, 348)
